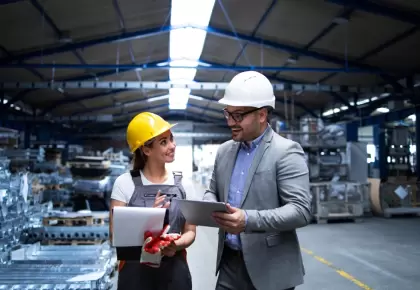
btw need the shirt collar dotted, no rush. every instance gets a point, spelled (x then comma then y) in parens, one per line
(254, 143)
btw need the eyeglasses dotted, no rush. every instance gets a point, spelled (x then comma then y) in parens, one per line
(238, 117)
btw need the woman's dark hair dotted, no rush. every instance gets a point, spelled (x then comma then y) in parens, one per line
(139, 158)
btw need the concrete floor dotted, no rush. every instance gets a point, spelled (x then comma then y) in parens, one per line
(380, 254)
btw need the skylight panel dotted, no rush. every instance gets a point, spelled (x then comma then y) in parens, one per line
(186, 45)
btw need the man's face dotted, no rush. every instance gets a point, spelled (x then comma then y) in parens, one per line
(245, 122)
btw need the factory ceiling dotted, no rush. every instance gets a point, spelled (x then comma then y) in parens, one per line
(319, 54)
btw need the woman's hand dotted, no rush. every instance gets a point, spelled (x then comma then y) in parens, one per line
(170, 250)
(159, 199)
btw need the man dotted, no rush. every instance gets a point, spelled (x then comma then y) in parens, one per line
(264, 179)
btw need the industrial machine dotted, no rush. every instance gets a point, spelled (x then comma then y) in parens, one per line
(337, 169)
(398, 191)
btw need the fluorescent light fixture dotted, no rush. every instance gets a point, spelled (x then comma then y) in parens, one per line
(291, 60)
(186, 45)
(198, 98)
(412, 117)
(382, 110)
(158, 98)
(165, 63)
(362, 102)
(373, 98)
(327, 113)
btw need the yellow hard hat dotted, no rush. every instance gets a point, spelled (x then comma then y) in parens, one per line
(143, 127)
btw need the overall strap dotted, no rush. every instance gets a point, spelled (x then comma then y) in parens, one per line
(136, 176)
(178, 182)
(177, 177)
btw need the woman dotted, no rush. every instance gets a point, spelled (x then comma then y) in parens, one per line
(151, 141)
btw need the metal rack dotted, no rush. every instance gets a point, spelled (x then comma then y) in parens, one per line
(338, 200)
(32, 266)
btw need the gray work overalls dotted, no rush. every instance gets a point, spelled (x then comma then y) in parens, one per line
(173, 273)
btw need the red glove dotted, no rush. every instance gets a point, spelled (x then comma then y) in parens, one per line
(151, 252)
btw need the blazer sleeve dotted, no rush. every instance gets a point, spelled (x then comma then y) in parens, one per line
(211, 193)
(293, 188)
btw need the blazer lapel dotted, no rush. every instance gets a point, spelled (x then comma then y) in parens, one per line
(230, 162)
(256, 161)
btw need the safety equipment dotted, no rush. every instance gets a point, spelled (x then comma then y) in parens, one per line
(143, 127)
(249, 89)
(151, 254)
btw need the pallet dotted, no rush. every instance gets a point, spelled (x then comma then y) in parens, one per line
(72, 242)
(349, 219)
(401, 215)
(53, 186)
(74, 221)
(66, 221)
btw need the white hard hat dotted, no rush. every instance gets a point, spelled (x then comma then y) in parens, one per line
(249, 89)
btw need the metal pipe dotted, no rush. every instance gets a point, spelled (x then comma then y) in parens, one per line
(114, 135)
(83, 118)
(201, 86)
(166, 66)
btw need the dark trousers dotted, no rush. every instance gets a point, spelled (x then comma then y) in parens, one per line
(233, 274)
(173, 274)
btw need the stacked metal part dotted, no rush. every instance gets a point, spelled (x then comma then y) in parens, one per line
(92, 183)
(58, 187)
(59, 267)
(18, 205)
(63, 233)
(24, 158)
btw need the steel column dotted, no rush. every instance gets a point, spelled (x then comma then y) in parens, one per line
(418, 143)
(380, 144)
(352, 130)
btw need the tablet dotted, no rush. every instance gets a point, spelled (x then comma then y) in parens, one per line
(197, 212)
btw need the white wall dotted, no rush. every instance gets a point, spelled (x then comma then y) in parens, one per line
(183, 157)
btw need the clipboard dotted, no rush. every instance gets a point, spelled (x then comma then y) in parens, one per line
(197, 212)
(129, 225)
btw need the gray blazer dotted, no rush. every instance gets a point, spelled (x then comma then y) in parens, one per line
(277, 200)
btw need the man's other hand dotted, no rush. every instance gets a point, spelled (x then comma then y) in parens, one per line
(233, 222)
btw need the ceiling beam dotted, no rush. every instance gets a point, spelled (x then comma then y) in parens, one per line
(125, 36)
(202, 86)
(394, 12)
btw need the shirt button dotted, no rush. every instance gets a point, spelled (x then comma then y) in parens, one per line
(247, 154)
(242, 173)
(237, 191)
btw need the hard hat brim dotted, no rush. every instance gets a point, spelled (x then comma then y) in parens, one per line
(257, 104)
(163, 130)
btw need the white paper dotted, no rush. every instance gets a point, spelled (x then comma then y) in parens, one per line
(87, 277)
(130, 223)
(401, 192)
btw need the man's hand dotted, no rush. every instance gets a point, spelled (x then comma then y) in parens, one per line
(233, 222)
(159, 200)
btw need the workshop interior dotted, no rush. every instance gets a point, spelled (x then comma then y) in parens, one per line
(73, 73)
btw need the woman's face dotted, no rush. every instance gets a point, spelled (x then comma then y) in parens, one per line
(163, 149)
